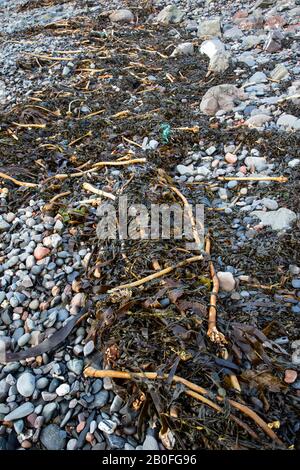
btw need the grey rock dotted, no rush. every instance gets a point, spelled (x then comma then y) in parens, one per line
(278, 220)
(116, 404)
(107, 426)
(150, 443)
(4, 226)
(63, 390)
(259, 163)
(121, 16)
(97, 386)
(170, 14)
(88, 348)
(76, 366)
(72, 444)
(209, 28)
(53, 438)
(296, 283)
(4, 388)
(26, 384)
(24, 339)
(100, 399)
(48, 411)
(288, 122)
(270, 204)
(185, 170)
(24, 410)
(115, 442)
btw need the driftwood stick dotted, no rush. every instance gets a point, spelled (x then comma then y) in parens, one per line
(95, 167)
(92, 189)
(119, 163)
(27, 126)
(115, 374)
(190, 214)
(279, 179)
(58, 196)
(18, 183)
(157, 274)
(212, 331)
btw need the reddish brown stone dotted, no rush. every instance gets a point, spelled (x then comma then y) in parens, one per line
(26, 444)
(239, 15)
(290, 376)
(40, 252)
(275, 21)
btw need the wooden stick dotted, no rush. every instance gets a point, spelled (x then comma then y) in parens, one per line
(194, 129)
(279, 179)
(33, 126)
(88, 134)
(190, 214)
(58, 196)
(115, 374)
(18, 183)
(95, 168)
(120, 163)
(157, 274)
(212, 331)
(93, 114)
(99, 192)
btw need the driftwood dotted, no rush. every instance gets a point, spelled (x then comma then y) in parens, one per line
(158, 274)
(115, 374)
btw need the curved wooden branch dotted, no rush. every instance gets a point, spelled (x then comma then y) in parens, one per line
(158, 274)
(115, 374)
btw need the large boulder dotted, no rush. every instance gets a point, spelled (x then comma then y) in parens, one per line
(224, 97)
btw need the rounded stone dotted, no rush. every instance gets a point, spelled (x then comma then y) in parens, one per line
(63, 390)
(26, 384)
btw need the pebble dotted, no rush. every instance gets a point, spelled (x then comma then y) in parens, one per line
(20, 412)
(150, 443)
(63, 390)
(296, 283)
(24, 339)
(72, 444)
(121, 16)
(296, 357)
(40, 252)
(107, 426)
(76, 366)
(100, 399)
(48, 411)
(88, 348)
(53, 438)
(290, 376)
(26, 384)
(226, 280)
(116, 404)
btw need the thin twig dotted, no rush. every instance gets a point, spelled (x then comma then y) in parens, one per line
(158, 274)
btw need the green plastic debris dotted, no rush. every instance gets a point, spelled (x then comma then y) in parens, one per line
(166, 132)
